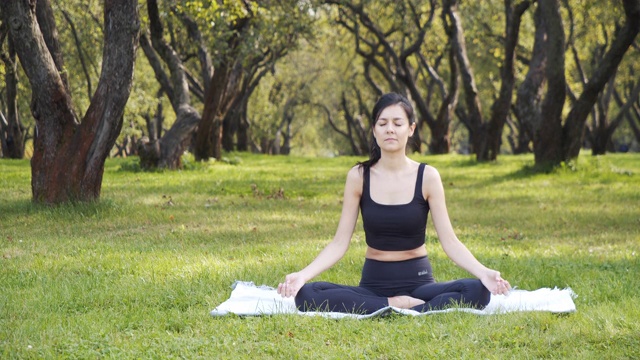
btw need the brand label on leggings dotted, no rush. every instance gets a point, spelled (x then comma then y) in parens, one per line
(423, 272)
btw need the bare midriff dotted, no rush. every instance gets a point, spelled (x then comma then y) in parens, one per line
(382, 255)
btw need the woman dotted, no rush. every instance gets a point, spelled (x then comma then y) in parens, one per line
(394, 194)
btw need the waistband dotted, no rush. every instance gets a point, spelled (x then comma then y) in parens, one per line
(391, 278)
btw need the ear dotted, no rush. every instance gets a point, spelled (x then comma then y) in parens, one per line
(413, 128)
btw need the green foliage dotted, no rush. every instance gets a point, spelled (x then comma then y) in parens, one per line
(135, 275)
(322, 55)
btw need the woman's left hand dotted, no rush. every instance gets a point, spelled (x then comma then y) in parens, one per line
(495, 283)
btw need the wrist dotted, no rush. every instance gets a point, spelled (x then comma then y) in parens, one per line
(486, 273)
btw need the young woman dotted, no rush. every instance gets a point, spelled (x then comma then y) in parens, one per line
(395, 195)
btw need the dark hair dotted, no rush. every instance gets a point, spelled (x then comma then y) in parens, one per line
(384, 102)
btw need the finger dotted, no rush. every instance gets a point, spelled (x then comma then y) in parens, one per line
(505, 287)
(283, 290)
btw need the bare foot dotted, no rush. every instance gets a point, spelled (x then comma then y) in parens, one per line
(404, 302)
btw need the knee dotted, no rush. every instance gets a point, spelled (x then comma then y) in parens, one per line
(475, 294)
(483, 295)
(305, 298)
(303, 295)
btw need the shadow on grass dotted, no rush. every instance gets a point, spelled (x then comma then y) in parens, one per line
(13, 208)
(525, 172)
(9, 206)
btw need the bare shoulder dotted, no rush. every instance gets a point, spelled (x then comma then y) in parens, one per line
(355, 179)
(431, 174)
(355, 174)
(355, 171)
(431, 182)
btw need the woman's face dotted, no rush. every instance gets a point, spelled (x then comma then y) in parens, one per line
(392, 129)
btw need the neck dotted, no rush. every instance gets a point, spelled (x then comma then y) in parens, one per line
(393, 161)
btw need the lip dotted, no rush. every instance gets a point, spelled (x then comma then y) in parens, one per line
(390, 139)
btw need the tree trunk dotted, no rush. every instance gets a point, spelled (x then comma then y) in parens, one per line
(477, 129)
(573, 129)
(209, 135)
(602, 136)
(68, 159)
(501, 107)
(631, 119)
(243, 129)
(440, 138)
(529, 94)
(632, 107)
(166, 152)
(441, 128)
(548, 136)
(47, 24)
(230, 128)
(224, 86)
(11, 129)
(356, 133)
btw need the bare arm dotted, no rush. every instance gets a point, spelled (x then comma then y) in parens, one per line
(452, 246)
(336, 249)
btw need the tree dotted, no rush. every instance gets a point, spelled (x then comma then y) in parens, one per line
(558, 142)
(12, 132)
(230, 60)
(632, 107)
(356, 133)
(69, 155)
(165, 150)
(260, 35)
(600, 131)
(530, 92)
(386, 48)
(486, 137)
(502, 106)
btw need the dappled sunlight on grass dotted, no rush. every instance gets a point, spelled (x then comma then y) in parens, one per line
(136, 274)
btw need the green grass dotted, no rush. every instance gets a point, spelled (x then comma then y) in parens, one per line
(136, 275)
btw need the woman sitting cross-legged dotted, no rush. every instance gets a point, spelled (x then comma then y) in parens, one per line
(394, 195)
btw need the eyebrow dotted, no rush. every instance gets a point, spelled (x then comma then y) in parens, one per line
(393, 119)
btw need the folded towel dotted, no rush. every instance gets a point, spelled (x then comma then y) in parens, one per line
(248, 299)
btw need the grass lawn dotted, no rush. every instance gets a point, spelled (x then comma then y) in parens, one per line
(136, 275)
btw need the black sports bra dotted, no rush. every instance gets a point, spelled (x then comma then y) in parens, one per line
(394, 227)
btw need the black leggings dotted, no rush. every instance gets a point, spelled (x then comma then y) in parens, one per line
(381, 280)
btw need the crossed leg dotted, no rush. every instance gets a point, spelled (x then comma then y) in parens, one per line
(469, 292)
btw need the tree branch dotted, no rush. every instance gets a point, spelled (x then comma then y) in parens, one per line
(78, 43)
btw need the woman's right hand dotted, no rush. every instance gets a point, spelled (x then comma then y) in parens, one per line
(291, 285)
(495, 283)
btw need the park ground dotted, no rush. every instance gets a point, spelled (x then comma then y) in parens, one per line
(136, 275)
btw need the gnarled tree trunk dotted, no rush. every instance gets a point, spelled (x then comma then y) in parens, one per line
(476, 127)
(166, 149)
(529, 94)
(573, 129)
(547, 138)
(553, 141)
(222, 90)
(68, 159)
(441, 128)
(501, 107)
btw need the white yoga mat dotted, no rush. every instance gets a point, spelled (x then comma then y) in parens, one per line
(248, 299)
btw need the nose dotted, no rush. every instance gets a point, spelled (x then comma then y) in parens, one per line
(389, 128)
